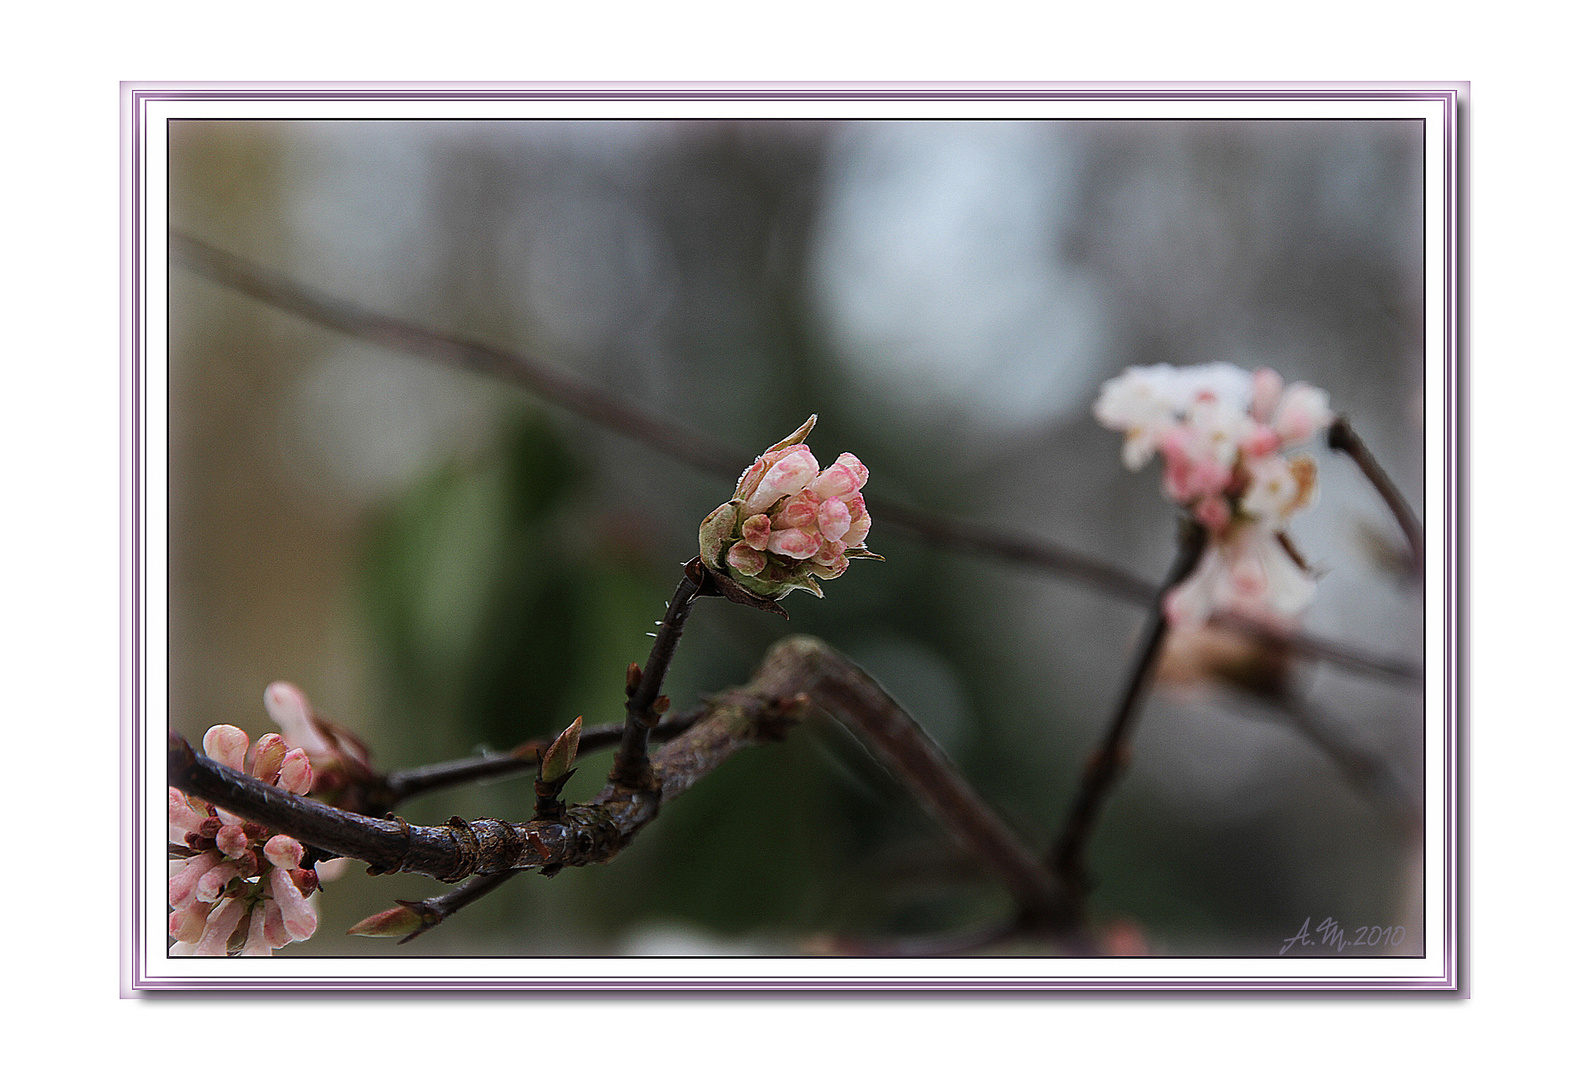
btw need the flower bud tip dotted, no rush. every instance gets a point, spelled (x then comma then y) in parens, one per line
(394, 922)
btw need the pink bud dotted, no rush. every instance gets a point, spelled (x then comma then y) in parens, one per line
(181, 817)
(1262, 440)
(746, 559)
(232, 840)
(1266, 392)
(844, 477)
(218, 930)
(289, 709)
(298, 914)
(799, 512)
(284, 851)
(1303, 410)
(268, 755)
(860, 524)
(185, 881)
(756, 530)
(214, 882)
(1213, 513)
(833, 519)
(393, 922)
(297, 775)
(795, 543)
(227, 745)
(832, 555)
(187, 923)
(790, 471)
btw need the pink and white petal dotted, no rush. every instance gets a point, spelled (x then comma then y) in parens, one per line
(833, 519)
(284, 851)
(794, 543)
(227, 745)
(297, 775)
(1302, 412)
(220, 926)
(298, 912)
(746, 559)
(231, 841)
(257, 944)
(187, 923)
(289, 708)
(756, 530)
(1267, 385)
(791, 470)
(185, 882)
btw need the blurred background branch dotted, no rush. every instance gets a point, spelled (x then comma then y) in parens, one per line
(603, 407)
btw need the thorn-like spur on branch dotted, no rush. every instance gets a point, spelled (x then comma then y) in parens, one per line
(405, 784)
(681, 443)
(1340, 436)
(799, 674)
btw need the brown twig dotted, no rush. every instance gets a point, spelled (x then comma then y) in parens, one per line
(1341, 436)
(798, 674)
(437, 909)
(679, 442)
(644, 703)
(406, 784)
(1109, 760)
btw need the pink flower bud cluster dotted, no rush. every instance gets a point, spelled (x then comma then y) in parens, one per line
(790, 523)
(1224, 434)
(341, 762)
(242, 890)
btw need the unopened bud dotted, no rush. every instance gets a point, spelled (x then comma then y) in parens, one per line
(660, 706)
(560, 755)
(632, 679)
(394, 922)
(297, 775)
(269, 753)
(227, 745)
(232, 840)
(284, 851)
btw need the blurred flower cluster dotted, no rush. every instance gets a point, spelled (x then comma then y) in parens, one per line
(1225, 434)
(790, 524)
(241, 889)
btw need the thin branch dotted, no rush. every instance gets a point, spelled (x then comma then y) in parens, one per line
(683, 444)
(1341, 436)
(1109, 760)
(434, 911)
(798, 675)
(644, 702)
(846, 693)
(406, 784)
(1366, 772)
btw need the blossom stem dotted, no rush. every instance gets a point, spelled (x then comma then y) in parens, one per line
(1104, 768)
(631, 762)
(1340, 436)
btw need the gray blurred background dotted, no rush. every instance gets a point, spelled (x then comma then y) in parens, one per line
(446, 564)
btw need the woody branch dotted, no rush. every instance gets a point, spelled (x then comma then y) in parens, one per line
(799, 675)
